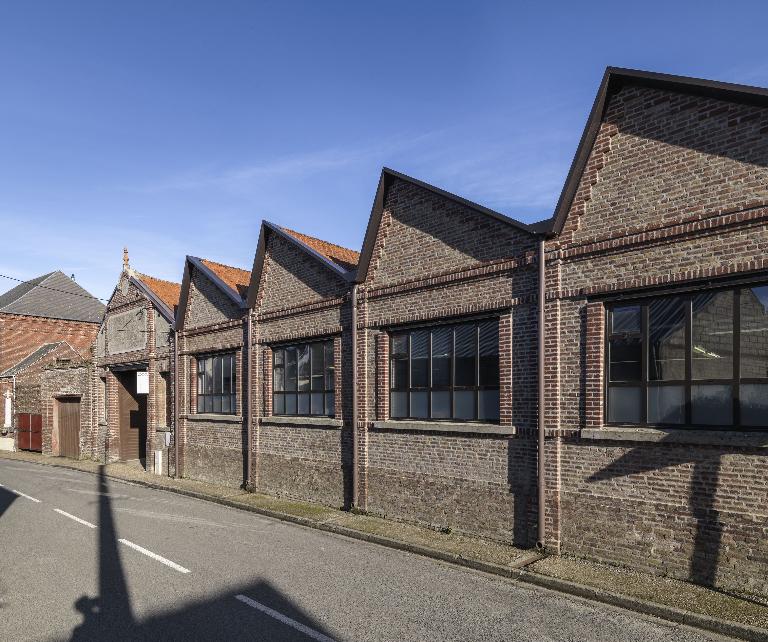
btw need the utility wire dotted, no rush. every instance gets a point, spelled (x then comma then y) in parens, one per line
(45, 287)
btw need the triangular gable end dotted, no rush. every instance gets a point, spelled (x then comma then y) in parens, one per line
(260, 257)
(613, 80)
(192, 264)
(386, 180)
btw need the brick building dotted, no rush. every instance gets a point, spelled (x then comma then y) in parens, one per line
(656, 401)
(404, 380)
(69, 421)
(41, 320)
(211, 326)
(134, 361)
(446, 363)
(300, 303)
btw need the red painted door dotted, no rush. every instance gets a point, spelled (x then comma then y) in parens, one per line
(29, 428)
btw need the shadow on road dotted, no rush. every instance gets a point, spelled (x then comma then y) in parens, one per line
(110, 615)
(6, 499)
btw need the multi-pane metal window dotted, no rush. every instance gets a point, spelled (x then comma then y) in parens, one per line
(217, 384)
(303, 379)
(698, 359)
(446, 372)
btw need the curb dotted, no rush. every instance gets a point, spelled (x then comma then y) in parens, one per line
(670, 613)
(515, 571)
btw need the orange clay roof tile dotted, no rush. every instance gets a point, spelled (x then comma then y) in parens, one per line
(167, 291)
(341, 256)
(235, 278)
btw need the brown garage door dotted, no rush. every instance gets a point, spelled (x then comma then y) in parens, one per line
(29, 431)
(133, 418)
(69, 427)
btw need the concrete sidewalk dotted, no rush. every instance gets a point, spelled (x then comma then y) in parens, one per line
(740, 616)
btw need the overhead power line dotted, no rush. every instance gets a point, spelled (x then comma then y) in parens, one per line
(45, 287)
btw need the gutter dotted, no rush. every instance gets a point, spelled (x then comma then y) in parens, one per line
(541, 537)
(248, 399)
(355, 472)
(176, 431)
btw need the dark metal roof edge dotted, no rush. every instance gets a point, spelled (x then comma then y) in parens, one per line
(181, 310)
(156, 301)
(385, 179)
(460, 200)
(258, 267)
(340, 271)
(611, 81)
(198, 263)
(374, 220)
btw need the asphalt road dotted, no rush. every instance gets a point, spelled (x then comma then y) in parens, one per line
(86, 558)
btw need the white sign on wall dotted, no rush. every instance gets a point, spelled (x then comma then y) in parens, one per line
(142, 383)
(8, 418)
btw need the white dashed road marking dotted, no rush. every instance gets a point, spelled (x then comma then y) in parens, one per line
(154, 556)
(20, 494)
(315, 635)
(77, 519)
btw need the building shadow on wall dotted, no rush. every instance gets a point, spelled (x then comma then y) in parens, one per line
(705, 463)
(221, 616)
(522, 485)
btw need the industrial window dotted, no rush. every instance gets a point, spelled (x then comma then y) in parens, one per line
(217, 384)
(303, 379)
(448, 372)
(698, 359)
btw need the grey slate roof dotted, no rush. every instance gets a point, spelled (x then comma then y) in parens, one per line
(31, 358)
(52, 295)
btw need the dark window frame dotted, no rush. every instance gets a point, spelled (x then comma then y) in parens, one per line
(451, 388)
(688, 382)
(328, 374)
(207, 401)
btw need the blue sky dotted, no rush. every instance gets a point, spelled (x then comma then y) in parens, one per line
(174, 128)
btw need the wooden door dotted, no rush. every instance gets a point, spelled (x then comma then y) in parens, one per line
(69, 427)
(29, 429)
(133, 418)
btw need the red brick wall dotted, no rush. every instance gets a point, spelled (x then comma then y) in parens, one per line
(21, 335)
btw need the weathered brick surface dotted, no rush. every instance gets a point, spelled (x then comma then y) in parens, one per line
(211, 449)
(26, 394)
(674, 194)
(435, 259)
(477, 484)
(129, 339)
(208, 304)
(300, 299)
(68, 381)
(21, 335)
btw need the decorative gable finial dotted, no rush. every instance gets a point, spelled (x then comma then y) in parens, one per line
(126, 264)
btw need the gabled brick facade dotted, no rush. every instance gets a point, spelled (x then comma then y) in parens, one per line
(672, 196)
(136, 336)
(667, 194)
(436, 259)
(211, 320)
(300, 298)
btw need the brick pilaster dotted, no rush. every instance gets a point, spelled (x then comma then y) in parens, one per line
(266, 354)
(505, 370)
(338, 386)
(382, 376)
(595, 364)
(112, 445)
